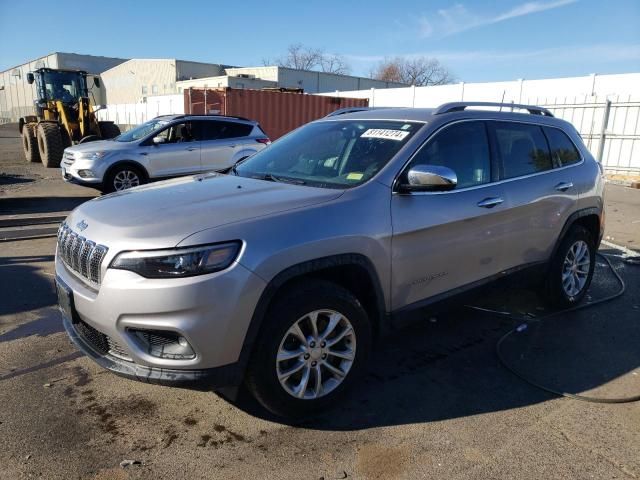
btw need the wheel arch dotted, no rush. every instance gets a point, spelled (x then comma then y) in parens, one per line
(352, 271)
(589, 218)
(242, 154)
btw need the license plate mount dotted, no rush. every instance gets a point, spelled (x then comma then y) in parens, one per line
(65, 299)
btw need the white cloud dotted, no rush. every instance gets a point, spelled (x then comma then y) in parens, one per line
(602, 53)
(458, 18)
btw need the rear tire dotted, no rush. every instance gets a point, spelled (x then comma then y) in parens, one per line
(313, 358)
(571, 269)
(49, 144)
(109, 130)
(30, 144)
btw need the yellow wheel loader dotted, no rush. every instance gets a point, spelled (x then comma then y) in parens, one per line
(64, 117)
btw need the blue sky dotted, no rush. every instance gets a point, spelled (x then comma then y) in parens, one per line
(478, 41)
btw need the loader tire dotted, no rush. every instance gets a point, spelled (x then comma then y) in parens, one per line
(109, 130)
(30, 144)
(49, 144)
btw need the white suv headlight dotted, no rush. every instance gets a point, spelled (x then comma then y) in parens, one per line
(93, 155)
(178, 262)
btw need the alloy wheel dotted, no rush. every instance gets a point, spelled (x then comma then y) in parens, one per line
(125, 179)
(316, 354)
(575, 269)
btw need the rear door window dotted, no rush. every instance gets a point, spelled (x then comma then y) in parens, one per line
(563, 150)
(464, 148)
(522, 147)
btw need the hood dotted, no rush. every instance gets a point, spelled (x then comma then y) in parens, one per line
(162, 214)
(100, 145)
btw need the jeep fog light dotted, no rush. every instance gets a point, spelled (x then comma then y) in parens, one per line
(86, 173)
(163, 344)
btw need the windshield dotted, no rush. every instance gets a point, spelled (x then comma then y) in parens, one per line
(64, 86)
(330, 154)
(142, 130)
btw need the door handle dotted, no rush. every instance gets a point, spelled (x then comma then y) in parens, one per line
(232, 146)
(564, 186)
(191, 149)
(144, 153)
(490, 202)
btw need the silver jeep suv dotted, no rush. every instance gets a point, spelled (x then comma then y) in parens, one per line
(167, 146)
(283, 272)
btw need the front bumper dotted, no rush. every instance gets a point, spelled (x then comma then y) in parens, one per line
(226, 376)
(69, 170)
(211, 311)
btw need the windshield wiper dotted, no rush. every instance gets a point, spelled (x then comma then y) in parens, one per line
(273, 178)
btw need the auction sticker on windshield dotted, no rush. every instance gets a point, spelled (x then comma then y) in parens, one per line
(385, 133)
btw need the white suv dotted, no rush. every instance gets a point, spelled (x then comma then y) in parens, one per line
(167, 146)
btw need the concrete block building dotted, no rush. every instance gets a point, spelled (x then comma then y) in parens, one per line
(134, 80)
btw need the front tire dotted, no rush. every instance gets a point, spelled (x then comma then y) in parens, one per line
(571, 269)
(122, 178)
(49, 144)
(314, 343)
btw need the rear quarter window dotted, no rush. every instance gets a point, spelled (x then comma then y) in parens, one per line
(563, 150)
(234, 129)
(523, 149)
(219, 130)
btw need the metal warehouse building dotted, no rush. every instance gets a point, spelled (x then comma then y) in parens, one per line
(136, 79)
(310, 81)
(17, 96)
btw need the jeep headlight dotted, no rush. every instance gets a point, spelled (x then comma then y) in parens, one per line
(178, 262)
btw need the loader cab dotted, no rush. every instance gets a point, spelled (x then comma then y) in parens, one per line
(67, 86)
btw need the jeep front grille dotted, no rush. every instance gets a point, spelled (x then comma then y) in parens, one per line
(80, 255)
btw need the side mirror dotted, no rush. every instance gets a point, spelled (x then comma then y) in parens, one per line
(429, 178)
(159, 140)
(30, 78)
(96, 82)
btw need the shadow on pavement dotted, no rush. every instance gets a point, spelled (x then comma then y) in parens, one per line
(448, 368)
(48, 323)
(22, 286)
(32, 205)
(6, 179)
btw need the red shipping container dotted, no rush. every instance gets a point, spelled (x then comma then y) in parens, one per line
(277, 112)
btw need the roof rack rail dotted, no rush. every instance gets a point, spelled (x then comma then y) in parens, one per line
(342, 111)
(460, 106)
(235, 117)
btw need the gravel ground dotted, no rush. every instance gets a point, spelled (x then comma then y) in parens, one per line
(435, 403)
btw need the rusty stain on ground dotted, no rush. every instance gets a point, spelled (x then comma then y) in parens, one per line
(190, 421)
(82, 376)
(170, 436)
(379, 462)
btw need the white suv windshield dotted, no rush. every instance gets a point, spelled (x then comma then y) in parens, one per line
(330, 154)
(142, 131)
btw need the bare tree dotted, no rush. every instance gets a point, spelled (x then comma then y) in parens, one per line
(301, 57)
(334, 64)
(419, 71)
